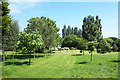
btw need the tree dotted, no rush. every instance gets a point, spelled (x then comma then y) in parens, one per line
(113, 38)
(79, 34)
(75, 31)
(91, 49)
(91, 46)
(104, 46)
(72, 30)
(28, 42)
(92, 29)
(64, 31)
(115, 48)
(117, 42)
(13, 34)
(69, 30)
(46, 28)
(110, 41)
(6, 20)
(82, 44)
(70, 41)
(60, 40)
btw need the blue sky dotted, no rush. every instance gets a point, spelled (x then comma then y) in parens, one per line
(68, 13)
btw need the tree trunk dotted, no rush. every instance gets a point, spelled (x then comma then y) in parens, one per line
(91, 57)
(16, 52)
(45, 55)
(3, 56)
(34, 54)
(29, 58)
(37, 54)
(83, 52)
(44, 52)
(13, 54)
(6, 53)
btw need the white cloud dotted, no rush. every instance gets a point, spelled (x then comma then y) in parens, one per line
(18, 7)
(14, 9)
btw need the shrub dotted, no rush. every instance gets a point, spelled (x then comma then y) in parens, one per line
(104, 46)
(115, 48)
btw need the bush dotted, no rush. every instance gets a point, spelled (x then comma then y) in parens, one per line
(115, 48)
(104, 46)
(70, 41)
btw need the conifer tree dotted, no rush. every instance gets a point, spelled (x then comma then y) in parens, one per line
(92, 29)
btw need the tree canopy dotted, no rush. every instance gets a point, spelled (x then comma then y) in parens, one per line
(30, 41)
(46, 28)
(92, 29)
(6, 20)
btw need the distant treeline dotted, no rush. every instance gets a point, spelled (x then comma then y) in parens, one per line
(89, 37)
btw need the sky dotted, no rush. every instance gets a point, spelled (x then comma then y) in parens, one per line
(68, 13)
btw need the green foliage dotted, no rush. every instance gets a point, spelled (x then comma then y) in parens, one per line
(70, 41)
(75, 31)
(104, 46)
(46, 28)
(110, 41)
(59, 40)
(68, 31)
(117, 42)
(99, 50)
(92, 43)
(79, 34)
(113, 38)
(91, 46)
(115, 48)
(92, 29)
(13, 34)
(82, 44)
(64, 31)
(6, 20)
(29, 42)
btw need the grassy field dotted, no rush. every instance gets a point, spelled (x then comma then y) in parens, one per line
(67, 64)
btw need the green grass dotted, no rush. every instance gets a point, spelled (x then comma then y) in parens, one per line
(69, 64)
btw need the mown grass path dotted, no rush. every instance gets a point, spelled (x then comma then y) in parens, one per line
(69, 64)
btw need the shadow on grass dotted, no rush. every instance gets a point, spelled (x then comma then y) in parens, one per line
(84, 62)
(25, 56)
(77, 55)
(22, 56)
(16, 63)
(38, 53)
(100, 64)
(117, 61)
